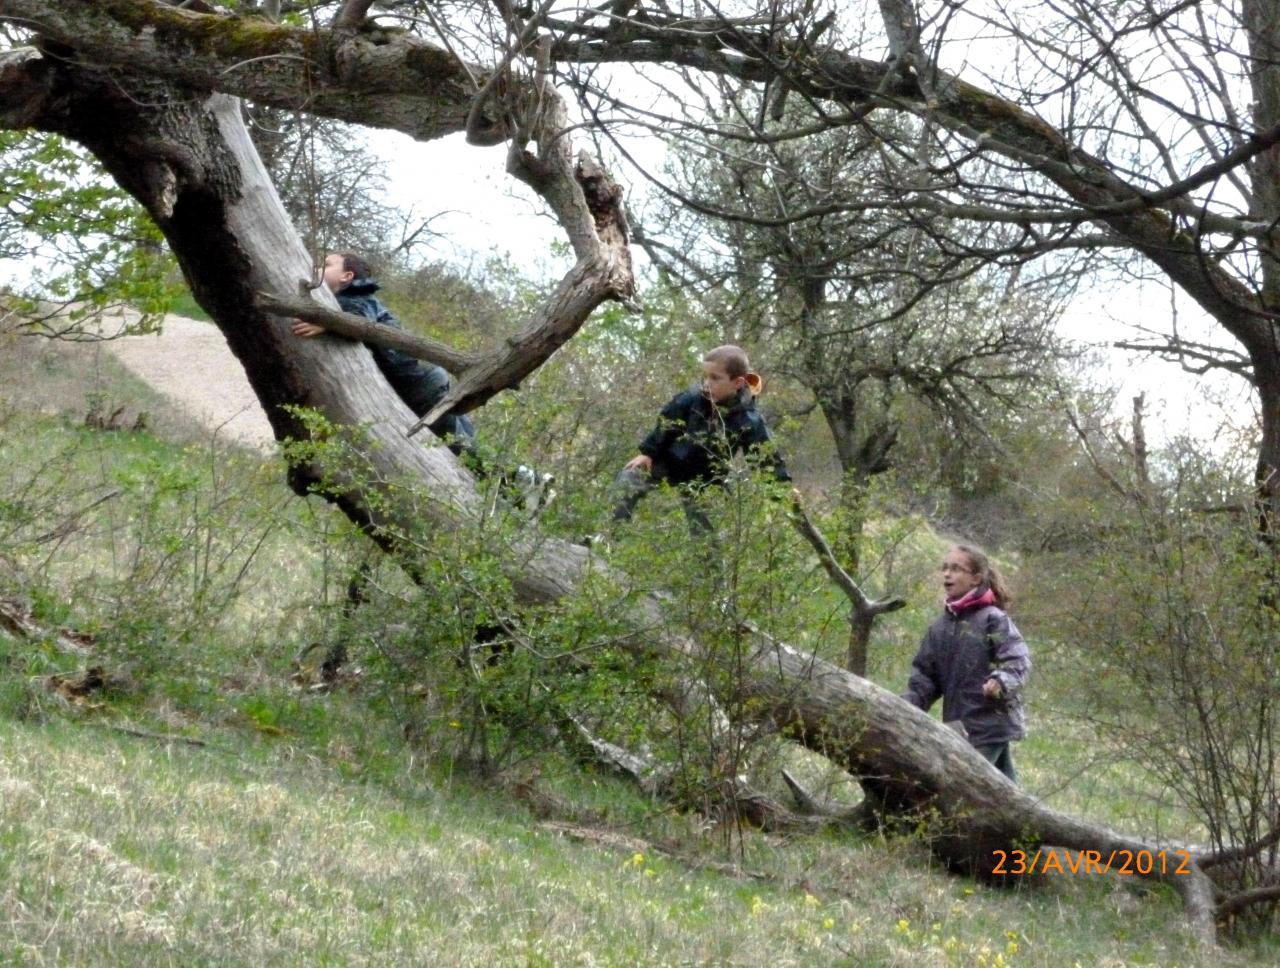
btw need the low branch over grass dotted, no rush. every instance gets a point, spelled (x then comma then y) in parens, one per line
(190, 162)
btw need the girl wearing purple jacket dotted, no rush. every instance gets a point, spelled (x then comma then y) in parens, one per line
(974, 658)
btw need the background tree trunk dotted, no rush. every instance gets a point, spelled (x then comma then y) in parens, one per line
(187, 157)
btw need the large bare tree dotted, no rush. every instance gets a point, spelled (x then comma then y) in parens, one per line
(151, 90)
(871, 311)
(1142, 131)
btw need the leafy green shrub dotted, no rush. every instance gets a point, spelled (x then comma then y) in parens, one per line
(1167, 618)
(149, 546)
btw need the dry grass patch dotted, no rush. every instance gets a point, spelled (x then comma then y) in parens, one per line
(120, 850)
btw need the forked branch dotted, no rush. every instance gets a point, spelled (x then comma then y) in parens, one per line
(589, 206)
(864, 607)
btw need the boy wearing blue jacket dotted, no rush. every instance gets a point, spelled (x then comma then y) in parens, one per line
(420, 385)
(697, 434)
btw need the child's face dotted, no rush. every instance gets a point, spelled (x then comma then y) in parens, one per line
(717, 385)
(958, 576)
(335, 276)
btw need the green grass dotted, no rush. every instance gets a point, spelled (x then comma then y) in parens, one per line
(184, 304)
(342, 827)
(127, 850)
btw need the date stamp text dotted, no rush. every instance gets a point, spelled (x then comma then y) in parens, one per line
(1051, 860)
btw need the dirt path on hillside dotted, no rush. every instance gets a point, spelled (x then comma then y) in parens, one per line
(190, 364)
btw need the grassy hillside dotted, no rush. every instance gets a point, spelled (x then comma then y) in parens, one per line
(120, 849)
(208, 806)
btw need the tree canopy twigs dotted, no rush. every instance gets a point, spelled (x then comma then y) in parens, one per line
(151, 90)
(1159, 130)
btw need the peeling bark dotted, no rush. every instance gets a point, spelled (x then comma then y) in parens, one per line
(185, 155)
(382, 78)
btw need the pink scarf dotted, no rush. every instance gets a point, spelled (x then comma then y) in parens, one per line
(973, 598)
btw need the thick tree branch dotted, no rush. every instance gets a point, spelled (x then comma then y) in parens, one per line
(359, 328)
(589, 207)
(1235, 903)
(1244, 852)
(25, 86)
(864, 607)
(584, 199)
(351, 14)
(385, 80)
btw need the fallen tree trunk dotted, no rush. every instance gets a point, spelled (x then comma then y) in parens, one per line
(16, 620)
(911, 764)
(186, 156)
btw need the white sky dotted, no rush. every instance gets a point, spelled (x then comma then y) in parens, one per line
(1178, 403)
(481, 208)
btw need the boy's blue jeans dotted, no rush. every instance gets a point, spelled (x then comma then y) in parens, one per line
(1000, 755)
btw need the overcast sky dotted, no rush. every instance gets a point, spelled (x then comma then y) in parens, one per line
(480, 207)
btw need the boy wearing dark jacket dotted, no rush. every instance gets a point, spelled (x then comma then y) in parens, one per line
(698, 433)
(974, 658)
(420, 385)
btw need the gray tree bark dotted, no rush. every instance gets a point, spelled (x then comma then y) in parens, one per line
(186, 156)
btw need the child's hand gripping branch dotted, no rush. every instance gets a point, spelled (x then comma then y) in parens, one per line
(304, 329)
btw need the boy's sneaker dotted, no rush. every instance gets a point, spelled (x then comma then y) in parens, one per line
(535, 489)
(546, 493)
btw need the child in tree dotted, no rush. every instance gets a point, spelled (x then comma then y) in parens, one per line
(974, 658)
(420, 385)
(698, 432)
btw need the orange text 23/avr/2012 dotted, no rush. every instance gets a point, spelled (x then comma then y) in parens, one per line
(1051, 860)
